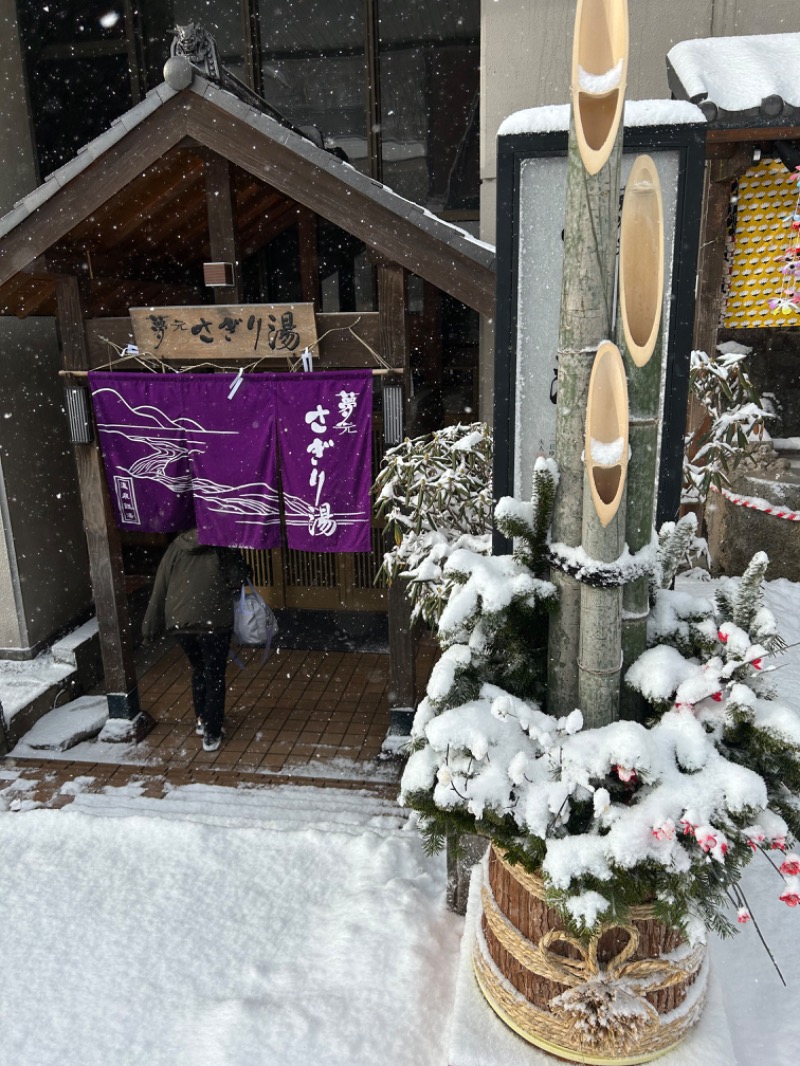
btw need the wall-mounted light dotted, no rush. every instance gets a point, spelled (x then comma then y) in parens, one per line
(392, 413)
(79, 413)
(218, 275)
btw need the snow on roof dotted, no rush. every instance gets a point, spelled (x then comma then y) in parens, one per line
(737, 73)
(637, 113)
(445, 231)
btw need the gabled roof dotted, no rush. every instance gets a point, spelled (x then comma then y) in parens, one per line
(740, 81)
(80, 203)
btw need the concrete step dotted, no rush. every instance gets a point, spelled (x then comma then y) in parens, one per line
(277, 809)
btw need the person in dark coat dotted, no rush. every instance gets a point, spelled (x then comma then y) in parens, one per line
(192, 599)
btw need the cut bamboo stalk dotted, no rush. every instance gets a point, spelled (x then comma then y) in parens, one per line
(606, 450)
(599, 75)
(641, 260)
(587, 308)
(639, 335)
(606, 443)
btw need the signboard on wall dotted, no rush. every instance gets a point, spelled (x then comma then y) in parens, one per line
(532, 171)
(225, 332)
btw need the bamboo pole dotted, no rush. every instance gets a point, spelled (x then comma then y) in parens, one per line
(599, 74)
(587, 299)
(639, 336)
(606, 463)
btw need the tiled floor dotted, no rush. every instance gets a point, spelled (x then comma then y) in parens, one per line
(313, 717)
(299, 709)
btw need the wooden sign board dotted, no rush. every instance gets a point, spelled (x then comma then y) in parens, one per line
(225, 332)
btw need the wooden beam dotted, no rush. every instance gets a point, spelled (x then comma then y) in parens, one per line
(16, 294)
(394, 348)
(381, 228)
(754, 134)
(309, 256)
(34, 302)
(392, 305)
(92, 187)
(158, 201)
(430, 335)
(391, 235)
(110, 296)
(402, 666)
(719, 175)
(105, 550)
(221, 228)
(145, 269)
(163, 179)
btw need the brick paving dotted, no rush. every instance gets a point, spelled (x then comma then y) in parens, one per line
(306, 717)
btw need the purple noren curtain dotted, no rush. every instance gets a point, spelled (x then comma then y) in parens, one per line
(192, 449)
(325, 442)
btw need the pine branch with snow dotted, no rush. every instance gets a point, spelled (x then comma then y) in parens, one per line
(667, 812)
(741, 601)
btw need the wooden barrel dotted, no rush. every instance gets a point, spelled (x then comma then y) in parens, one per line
(627, 995)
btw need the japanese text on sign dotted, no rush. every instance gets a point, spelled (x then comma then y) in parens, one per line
(257, 330)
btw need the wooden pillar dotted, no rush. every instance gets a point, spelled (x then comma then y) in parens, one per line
(102, 536)
(395, 349)
(309, 256)
(727, 164)
(721, 171)
(431, 336)
(221, 228)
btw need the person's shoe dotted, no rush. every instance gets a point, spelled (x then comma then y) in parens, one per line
(199, 727)
(211, 743)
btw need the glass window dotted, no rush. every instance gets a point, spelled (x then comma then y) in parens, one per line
(429, 76)
(78, 73)
(314, 70)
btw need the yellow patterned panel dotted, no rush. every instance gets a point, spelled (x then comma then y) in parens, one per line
(766, 196)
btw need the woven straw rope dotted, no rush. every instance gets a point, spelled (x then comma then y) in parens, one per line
(646, 975)
(558, 1034)
(555, 1031)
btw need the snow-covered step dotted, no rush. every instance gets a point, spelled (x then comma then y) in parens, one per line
(324, 810)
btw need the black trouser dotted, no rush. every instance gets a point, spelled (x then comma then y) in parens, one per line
(208, 656)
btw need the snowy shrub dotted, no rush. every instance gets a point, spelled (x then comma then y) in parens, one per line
(435, 493)
(735, 418)
(668, 810)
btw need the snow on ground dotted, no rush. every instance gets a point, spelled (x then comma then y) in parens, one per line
(783, 599)
(62, 727)
(22, 681)
(219, 927)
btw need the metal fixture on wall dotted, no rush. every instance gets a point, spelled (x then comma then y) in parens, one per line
(79, 413)
(392, 413)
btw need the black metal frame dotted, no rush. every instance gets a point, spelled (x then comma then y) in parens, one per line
(512, 151)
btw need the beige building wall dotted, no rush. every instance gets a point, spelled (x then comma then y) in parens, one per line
(44, 581)
(526, 48)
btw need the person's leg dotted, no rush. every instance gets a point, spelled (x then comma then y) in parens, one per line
(193, 650)
(215, 654)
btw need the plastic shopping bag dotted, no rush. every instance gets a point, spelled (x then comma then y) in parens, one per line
(253, 620)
